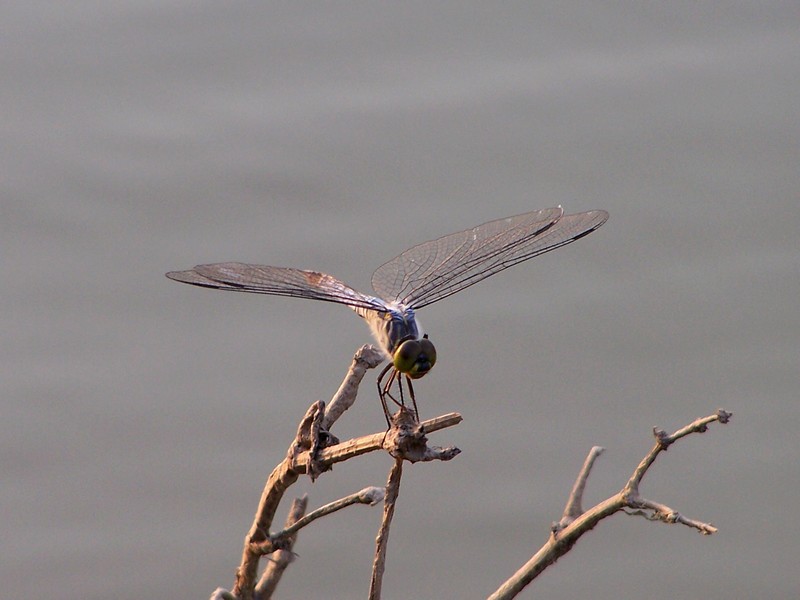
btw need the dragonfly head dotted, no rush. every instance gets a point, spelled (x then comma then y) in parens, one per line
(415, 357)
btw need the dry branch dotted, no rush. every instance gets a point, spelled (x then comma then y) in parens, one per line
(272, 574)
(302, 454)
(369, 495)
(382, 540)
(376, 441)
(367, 357)
(405, 440)
(573, 508)
(575, 523)
(313, 451)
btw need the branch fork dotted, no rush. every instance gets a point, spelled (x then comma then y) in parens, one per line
(314, 451)
(406, 440)
(575, 521)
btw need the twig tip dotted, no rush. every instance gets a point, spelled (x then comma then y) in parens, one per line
(723, 416)
(371, 495)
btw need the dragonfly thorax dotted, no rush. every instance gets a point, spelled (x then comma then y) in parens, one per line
(391, 327)
(400, 337)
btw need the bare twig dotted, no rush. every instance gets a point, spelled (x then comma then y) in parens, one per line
(284, 475)
(655, 511)
(381, 542)
(573, 508)
(564, 534)
(405, 440)
(664, 441)
(272, 574)
(366, 357)
(369, 495)
(375, 441)
(311, 437)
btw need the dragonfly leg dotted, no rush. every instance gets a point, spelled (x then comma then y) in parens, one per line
(383, 391)
(387, 389)
(402, 402)
(413, 398)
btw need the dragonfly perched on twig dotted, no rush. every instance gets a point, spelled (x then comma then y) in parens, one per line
(420, 276)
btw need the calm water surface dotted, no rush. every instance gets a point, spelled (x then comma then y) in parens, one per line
(141, 417)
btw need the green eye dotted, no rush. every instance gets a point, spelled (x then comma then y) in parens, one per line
(428, 350)
(406, 355)
(415, 357)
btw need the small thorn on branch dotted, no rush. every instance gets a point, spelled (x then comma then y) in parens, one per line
(662, 437)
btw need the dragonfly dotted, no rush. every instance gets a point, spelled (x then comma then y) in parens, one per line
(420, 276)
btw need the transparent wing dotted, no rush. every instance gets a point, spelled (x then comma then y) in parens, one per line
(437, 269)
(276, 281)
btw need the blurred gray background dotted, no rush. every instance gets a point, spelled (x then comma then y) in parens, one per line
(141, 417)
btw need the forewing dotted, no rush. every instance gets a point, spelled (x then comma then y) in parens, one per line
(437, 269)
(276, 281)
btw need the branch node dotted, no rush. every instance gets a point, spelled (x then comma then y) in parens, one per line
(312, 437)
(557, 527)
(662, 437)
(406, 440)
(281, 559)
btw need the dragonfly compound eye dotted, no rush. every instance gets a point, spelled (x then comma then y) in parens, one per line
(415, 357)
(406, 356)
(428, 351)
